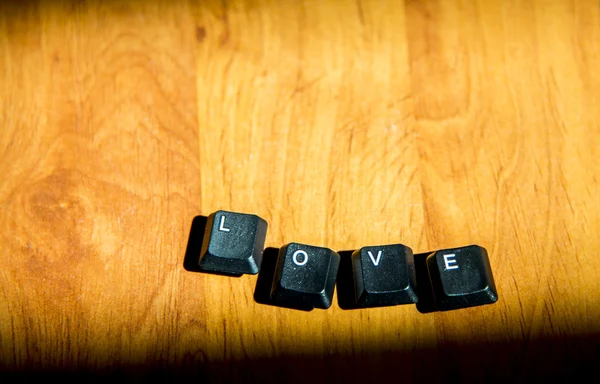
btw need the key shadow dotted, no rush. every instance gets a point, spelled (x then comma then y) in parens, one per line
(262, 292)
(345, 282)
(194, 246)
(426, 303)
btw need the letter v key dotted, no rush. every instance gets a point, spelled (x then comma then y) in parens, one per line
(375, 260)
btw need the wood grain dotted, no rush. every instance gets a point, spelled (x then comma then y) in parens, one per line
(343, 123)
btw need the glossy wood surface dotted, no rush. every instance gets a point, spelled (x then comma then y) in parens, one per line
(434, 124)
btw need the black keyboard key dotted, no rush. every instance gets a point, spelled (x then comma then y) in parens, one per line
(461, 277)
(384, 275)
(233, 243)
(305, 276)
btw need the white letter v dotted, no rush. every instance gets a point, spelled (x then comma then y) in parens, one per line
(375, 260)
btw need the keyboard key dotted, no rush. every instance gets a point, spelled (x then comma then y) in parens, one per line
(384, 275)
(233, 243)
(461, 277)
(305, 276)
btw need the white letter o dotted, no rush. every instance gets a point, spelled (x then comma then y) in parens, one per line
(304, 259)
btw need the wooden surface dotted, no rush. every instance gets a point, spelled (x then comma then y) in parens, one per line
(343, 123)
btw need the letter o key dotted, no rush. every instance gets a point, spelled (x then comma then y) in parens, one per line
(304, 257)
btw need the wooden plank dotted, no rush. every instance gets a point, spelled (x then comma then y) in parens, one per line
(101, 180)
(343, 123)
